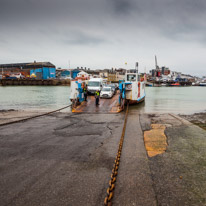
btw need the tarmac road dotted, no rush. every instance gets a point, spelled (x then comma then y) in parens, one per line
(66, 159)
(60, 159)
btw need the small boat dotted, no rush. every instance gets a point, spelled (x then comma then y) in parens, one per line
(202, 84)
(147, 84)
(132, 89)
(175, 84)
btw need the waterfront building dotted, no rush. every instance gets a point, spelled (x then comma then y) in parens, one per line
(26, 69)
(93, 73)
(104, 73)
(83, 74)
(63, 73)
(120, 74)
(74, 73)
(109, 74)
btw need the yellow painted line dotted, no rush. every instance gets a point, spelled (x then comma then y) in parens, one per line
(155, 140)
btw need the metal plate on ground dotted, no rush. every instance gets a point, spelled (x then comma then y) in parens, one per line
(105, 106)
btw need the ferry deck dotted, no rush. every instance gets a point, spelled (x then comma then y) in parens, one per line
(105, 105)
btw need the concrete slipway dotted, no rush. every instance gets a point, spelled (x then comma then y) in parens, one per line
(66, 159)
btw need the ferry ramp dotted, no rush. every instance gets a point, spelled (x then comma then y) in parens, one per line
(105, 105)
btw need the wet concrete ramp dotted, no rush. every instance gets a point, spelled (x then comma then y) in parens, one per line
(105, 106)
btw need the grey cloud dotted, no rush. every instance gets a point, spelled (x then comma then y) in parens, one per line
(80, 38)
(171, 18)
(121, 6)
(118, 26)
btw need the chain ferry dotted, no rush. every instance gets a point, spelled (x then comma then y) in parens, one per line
(131, 90)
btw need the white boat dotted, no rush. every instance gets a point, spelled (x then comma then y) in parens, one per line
(203, 84)
(132, 89)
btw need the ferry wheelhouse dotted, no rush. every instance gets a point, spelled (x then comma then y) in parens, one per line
(132, 89)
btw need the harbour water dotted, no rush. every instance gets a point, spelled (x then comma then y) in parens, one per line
(34, 97)
(178, 100)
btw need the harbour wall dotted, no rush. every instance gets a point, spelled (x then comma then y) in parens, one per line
(169, 83)
(34, 82)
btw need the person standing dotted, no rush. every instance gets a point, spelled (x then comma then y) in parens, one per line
(97, 95)
(85, 93)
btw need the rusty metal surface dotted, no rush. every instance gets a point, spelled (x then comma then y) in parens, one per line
(155, 140)
(105, 106)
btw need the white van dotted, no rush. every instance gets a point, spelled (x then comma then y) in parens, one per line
(94, 84)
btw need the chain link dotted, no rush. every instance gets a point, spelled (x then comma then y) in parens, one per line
(110, 189)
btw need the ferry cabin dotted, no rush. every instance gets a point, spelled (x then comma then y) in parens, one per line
(133, 88)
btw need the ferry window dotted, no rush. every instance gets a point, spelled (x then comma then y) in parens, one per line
(93, 84)
(131, 77)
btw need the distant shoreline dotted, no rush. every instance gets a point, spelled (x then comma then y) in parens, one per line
(34, 82)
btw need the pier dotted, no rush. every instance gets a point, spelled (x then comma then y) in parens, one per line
(33, 82)
(168, 83)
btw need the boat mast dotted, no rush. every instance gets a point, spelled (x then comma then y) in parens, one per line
(126, 71)
(136, 68)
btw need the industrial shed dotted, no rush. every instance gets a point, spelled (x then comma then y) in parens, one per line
(44, 70)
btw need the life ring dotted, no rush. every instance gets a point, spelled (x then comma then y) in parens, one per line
(129, 86)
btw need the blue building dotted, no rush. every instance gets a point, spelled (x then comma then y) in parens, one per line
(42, 70)
(74, 73)
(44, 73)
(65, 73)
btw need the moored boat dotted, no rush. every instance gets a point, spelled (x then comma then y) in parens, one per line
(175, 84)
(202, 84)
(132, 89)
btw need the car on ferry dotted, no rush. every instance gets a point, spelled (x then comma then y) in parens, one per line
(106, 92)
(95, 84)
(113, 88)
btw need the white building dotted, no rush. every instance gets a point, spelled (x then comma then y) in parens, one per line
(83, 74)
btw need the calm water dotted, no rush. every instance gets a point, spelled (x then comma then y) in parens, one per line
(178, 100)
(158, 99)
(34, 97)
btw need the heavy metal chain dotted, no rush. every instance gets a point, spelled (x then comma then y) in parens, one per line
(110, 189)
(32, 117)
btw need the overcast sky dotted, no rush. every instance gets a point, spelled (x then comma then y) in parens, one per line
(105, 33)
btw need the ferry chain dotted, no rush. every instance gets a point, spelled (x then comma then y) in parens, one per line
(32, 117)
(110, 189)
